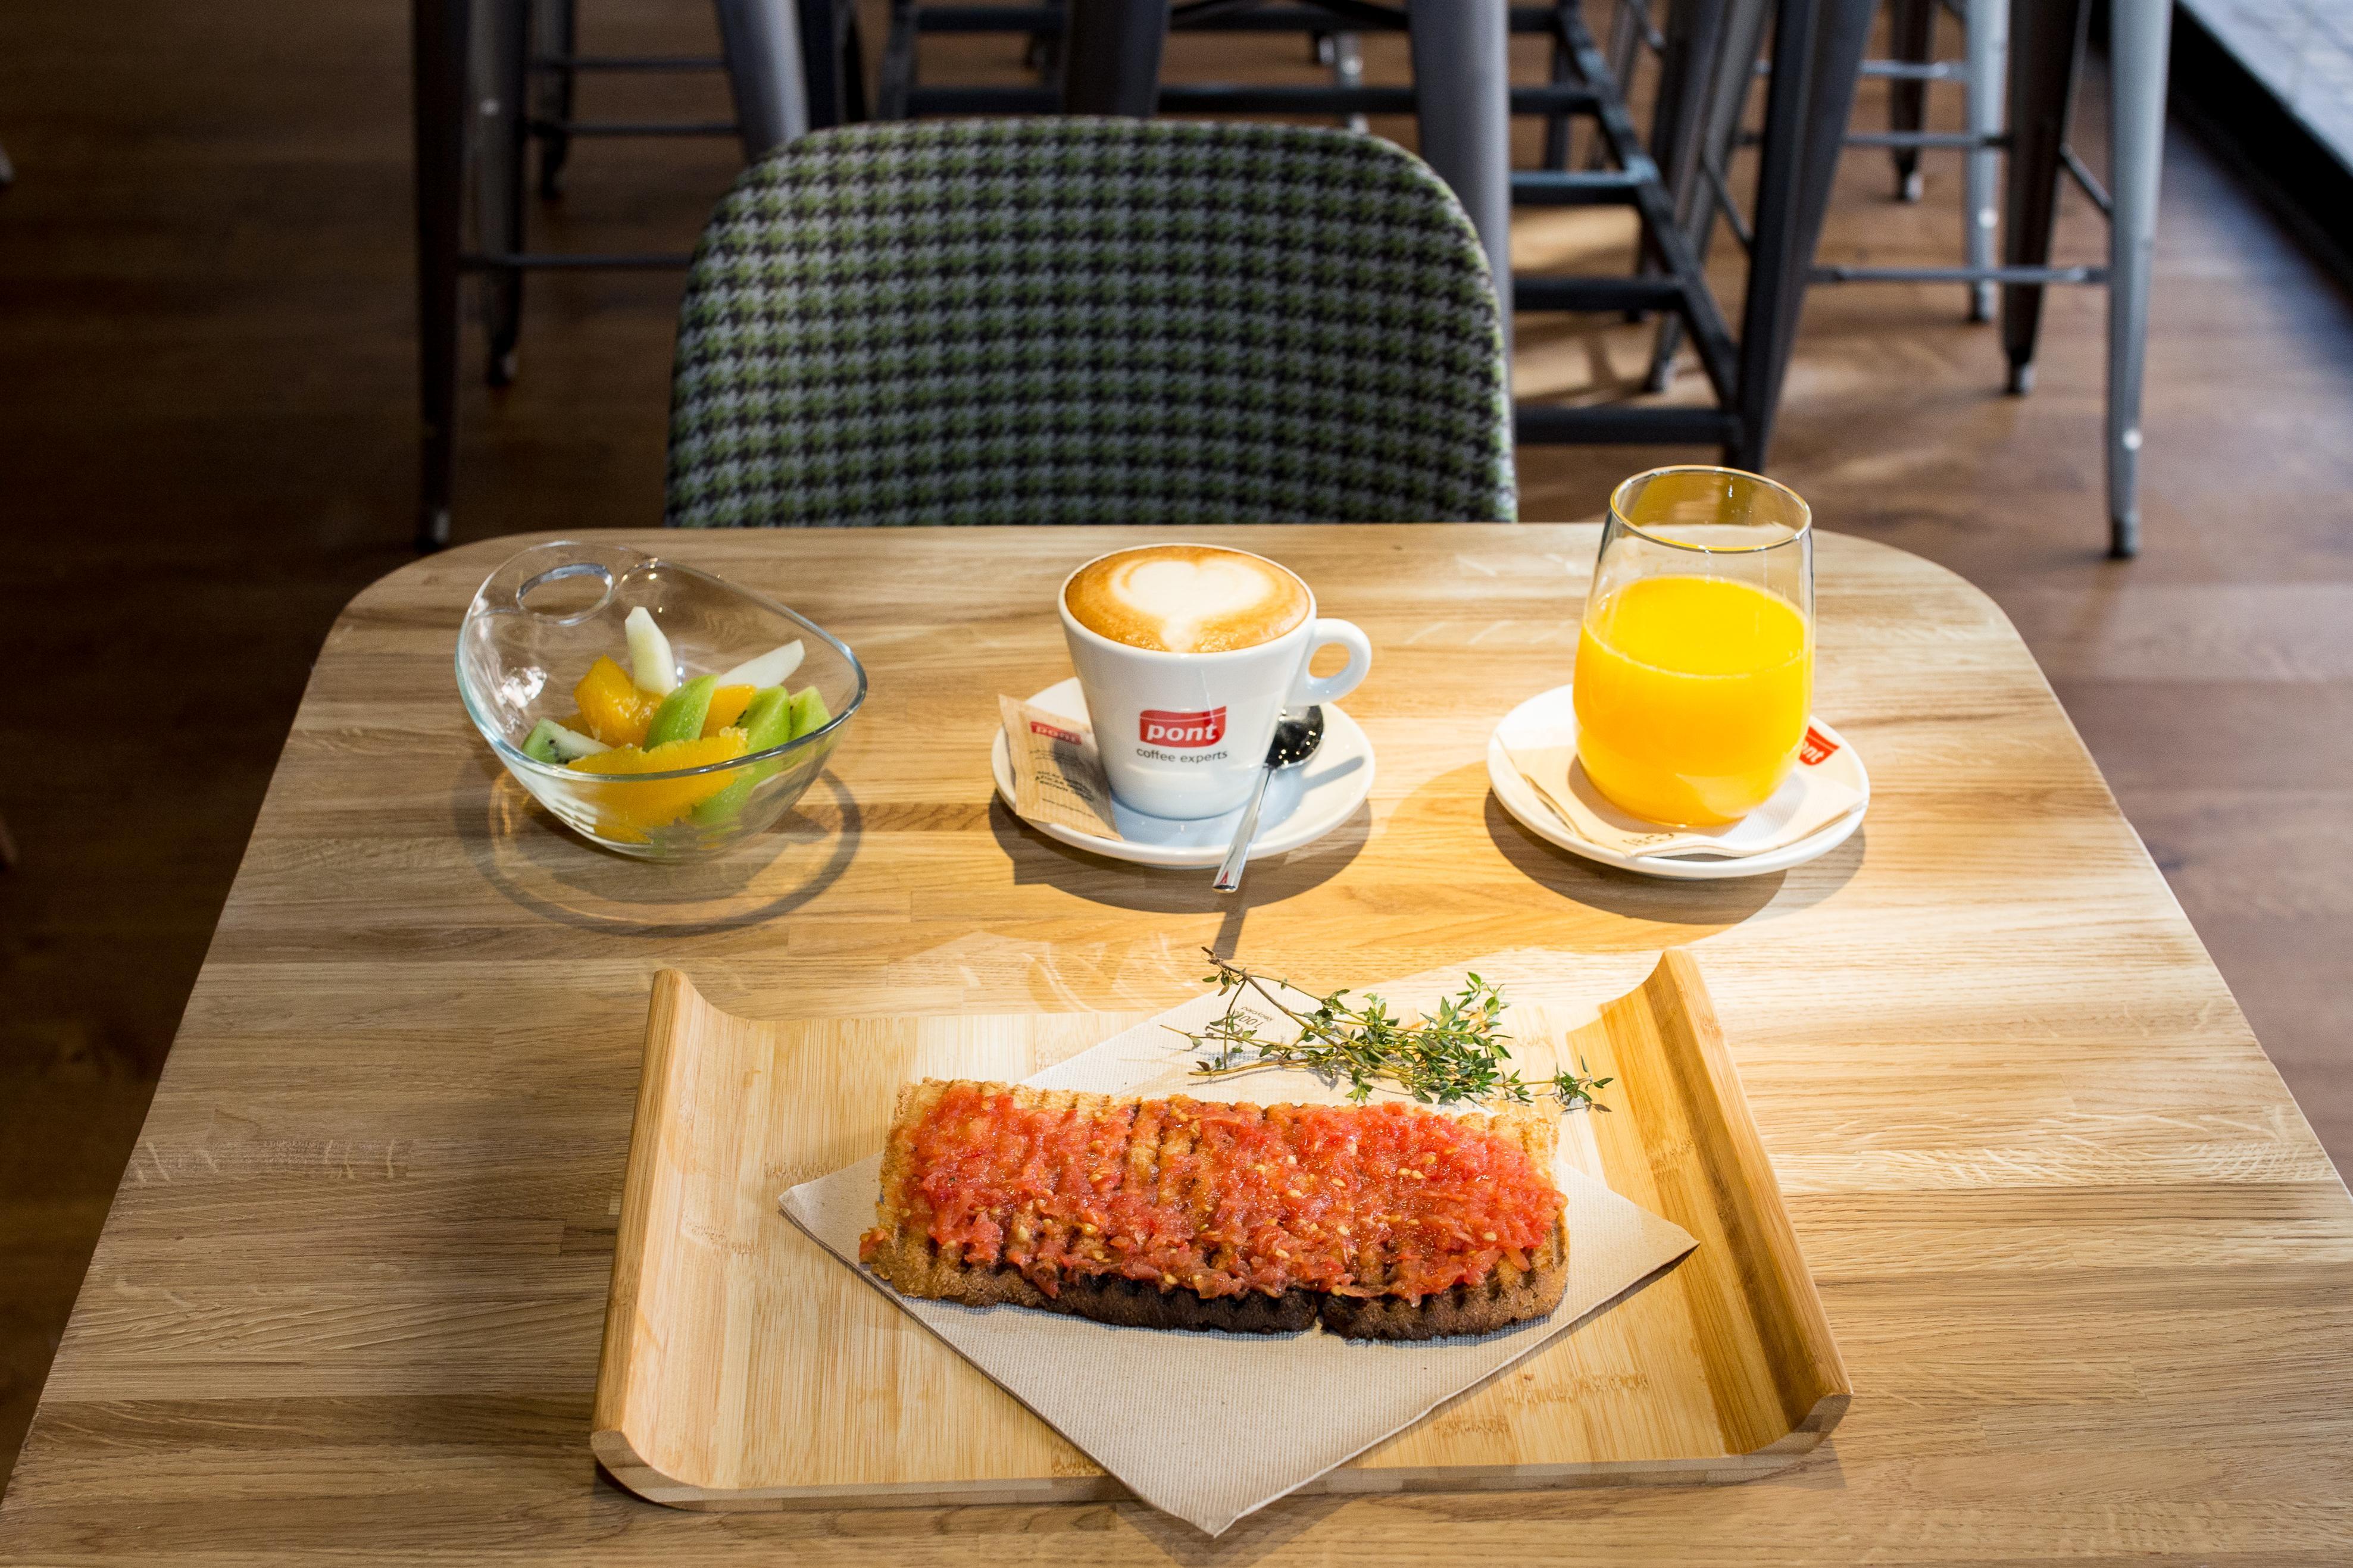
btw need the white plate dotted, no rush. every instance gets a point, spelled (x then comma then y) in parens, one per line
(1302, 805)
(1555, 712)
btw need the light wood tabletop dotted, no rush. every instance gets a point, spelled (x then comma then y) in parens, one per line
(2090, 1271)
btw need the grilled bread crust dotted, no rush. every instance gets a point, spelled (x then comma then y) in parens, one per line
(913, 1265)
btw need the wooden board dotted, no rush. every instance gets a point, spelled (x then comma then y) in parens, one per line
(2088, 1266)
(745, 1368)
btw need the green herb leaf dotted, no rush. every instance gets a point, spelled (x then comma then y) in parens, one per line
(1458, 1053)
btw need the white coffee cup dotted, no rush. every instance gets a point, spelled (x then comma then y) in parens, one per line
(1183, 735)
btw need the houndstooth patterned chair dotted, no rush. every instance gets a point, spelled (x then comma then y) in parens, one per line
(1078, 320)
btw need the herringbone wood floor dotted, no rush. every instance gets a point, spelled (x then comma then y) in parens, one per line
(207, 411)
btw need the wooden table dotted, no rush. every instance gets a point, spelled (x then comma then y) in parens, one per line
(2090, 1270)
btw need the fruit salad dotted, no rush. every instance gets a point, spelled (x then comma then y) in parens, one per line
(645, 719)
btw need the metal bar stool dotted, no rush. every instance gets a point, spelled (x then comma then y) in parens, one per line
(1986, 25)
(475, 111)
(2041, 42)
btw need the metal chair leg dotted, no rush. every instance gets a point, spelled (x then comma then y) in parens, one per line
(1044, 54)
(1111, 58)
(1988, 27)
(1692, 34)
(2138, 40)
(2047, 49)
(1628, 21)
(1818, 47)
(1731, 69)
(503, 30)
(853, 71)
(897, 78)
(760, 40)
(822, 87)
(556, 37)
(1689, 43)
(1556, 126)
(1461, 80)
(438, 39)
(1912, 29)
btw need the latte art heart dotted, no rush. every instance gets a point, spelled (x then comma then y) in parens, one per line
(1186, 599)
(1184, 595)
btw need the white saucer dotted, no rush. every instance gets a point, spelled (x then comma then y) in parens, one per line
(1302, 805)
(1555, 712)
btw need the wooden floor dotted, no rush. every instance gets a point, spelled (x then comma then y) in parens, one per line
(207, 411)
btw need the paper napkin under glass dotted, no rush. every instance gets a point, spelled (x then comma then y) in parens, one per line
(1813, 797)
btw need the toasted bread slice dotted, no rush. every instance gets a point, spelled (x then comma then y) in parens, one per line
(902, 1254)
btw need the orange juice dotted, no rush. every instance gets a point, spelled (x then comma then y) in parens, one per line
(1691, 697)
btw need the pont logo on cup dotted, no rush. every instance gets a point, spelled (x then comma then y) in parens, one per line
(1815, 749)
(1166, 727)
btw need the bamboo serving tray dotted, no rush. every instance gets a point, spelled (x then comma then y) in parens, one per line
(745, 1368)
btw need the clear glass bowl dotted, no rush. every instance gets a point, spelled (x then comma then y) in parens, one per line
(544, 617)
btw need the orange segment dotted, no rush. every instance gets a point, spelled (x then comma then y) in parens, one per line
(612, 707)
(727, 705)
(629, 809)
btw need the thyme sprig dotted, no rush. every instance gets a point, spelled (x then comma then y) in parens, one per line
(1459, 1052)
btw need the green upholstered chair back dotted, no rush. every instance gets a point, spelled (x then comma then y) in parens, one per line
(1088, 321)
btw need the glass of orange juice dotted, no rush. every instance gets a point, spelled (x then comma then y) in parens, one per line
(1695, 664)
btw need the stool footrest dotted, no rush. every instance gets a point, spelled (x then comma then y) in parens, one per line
(1575, 188)
(1631, 424)
(1659, 292)
(632, 127)
(584, 260)
(1839, 274)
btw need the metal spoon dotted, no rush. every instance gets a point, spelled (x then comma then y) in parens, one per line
(1296, 739)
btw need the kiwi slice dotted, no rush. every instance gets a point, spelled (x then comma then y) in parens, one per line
(550, 742)
(767, 720)
(810, 712)
(682, 713)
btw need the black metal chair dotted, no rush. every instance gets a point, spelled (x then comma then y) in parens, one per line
(492, 76)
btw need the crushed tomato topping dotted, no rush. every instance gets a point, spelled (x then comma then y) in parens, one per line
(1384, 1200)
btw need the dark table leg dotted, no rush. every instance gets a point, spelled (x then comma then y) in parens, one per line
(438, 39)
(501, 141)
(2046, 49)
(1818, 49)
(555, 33)
(820, 39)
(1111, 57)
(1911, 36)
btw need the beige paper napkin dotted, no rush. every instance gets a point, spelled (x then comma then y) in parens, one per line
(1251, 1417)
(1813, 797)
